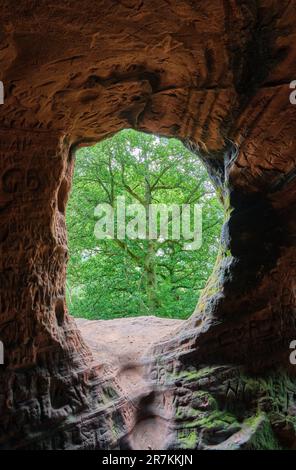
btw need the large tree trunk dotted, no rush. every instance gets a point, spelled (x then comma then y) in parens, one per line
(151, 279)
(150, 276)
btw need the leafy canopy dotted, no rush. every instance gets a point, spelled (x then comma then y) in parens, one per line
(120, 278)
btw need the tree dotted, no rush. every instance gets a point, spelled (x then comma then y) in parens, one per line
(129, 277)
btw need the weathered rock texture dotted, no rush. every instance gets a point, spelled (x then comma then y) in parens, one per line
(215, 75)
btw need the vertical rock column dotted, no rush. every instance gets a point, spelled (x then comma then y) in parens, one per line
(42, 347)
(246, 314)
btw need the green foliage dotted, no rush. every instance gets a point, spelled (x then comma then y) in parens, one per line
(263, 437)
(120, 278)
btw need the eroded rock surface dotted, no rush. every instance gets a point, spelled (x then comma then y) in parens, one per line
(215, 75)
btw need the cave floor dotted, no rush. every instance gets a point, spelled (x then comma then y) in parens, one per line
(121, 350)
(123, 341)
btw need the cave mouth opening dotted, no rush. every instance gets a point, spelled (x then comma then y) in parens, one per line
(144, 223)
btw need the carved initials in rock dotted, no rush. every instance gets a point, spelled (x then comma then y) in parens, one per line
(16, 180)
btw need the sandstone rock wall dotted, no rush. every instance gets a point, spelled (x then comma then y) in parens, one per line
(215, 75)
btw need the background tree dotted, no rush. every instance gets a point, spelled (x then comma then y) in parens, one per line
(111, 278)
